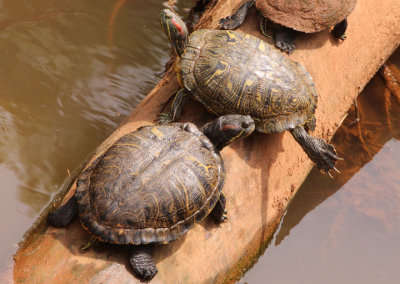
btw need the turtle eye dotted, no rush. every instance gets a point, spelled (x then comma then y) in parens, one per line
(245, 125)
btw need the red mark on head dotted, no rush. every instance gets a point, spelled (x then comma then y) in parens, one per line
(180, 30)
(226, 127)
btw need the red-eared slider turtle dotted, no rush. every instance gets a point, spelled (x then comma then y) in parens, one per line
(233, 72)
(152, 185)
(292, 16)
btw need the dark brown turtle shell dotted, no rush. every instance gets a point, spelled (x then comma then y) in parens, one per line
(233, 72)
(151, 185)
(307, 16)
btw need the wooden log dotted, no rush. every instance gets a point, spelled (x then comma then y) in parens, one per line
(263, 171)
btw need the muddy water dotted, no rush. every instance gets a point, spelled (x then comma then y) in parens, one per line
(70, 72)
(346, 229)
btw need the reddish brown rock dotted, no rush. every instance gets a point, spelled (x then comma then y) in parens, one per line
(263, 171)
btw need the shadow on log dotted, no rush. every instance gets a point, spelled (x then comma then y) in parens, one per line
(263, 171)
(363, 134)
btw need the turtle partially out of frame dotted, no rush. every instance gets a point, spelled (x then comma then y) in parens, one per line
(289, 17)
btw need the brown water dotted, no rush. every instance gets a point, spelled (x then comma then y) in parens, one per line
(70, 72)
(346, 229)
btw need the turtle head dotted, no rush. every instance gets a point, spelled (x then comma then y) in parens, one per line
(226, 129)
(175, 29)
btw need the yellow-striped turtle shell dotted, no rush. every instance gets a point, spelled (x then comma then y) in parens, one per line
(151, 185)
(234, 72)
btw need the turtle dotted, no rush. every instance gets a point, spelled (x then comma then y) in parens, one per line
(231, 72)
(290, 17)
(152, 185)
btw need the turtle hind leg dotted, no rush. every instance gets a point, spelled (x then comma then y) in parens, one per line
(142, 262)
(63, 215)
(340, 29)
(219, 213)
(320, 152)
(235, 20)
(284, 40)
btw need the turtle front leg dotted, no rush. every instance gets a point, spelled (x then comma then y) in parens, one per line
(142, 262)
(179, 101)
(235, 20)
(320, 152)
(219, 213)
(340, 29)
(284, 37)
(284, 40)
(63, 215)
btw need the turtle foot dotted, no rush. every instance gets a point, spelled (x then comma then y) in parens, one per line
(284, 40)
(219, 213)
(235, 20)
(340, 29)
(224, 217)
(143, 264)
(324, 155)
(321, 153)
(145, 273)
(229, 23)
(164, 118)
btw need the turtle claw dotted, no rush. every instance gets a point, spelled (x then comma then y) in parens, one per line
(224, 217)
(321, 153)
(325, 157)
(219, 213)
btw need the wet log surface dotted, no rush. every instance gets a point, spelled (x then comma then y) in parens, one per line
(263, 171)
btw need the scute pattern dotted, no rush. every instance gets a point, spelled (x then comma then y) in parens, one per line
(233, 72)
(307, 16)
(150, 186)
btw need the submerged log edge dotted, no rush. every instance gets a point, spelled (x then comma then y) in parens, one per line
(263, 171)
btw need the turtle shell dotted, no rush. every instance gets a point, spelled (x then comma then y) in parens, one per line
(307, 16)
(233, 72)
(151, 185)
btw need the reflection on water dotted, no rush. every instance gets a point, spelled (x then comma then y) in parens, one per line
(346, 229)
(70, 72)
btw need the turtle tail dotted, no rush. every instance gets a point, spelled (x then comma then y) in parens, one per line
(63, 215)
